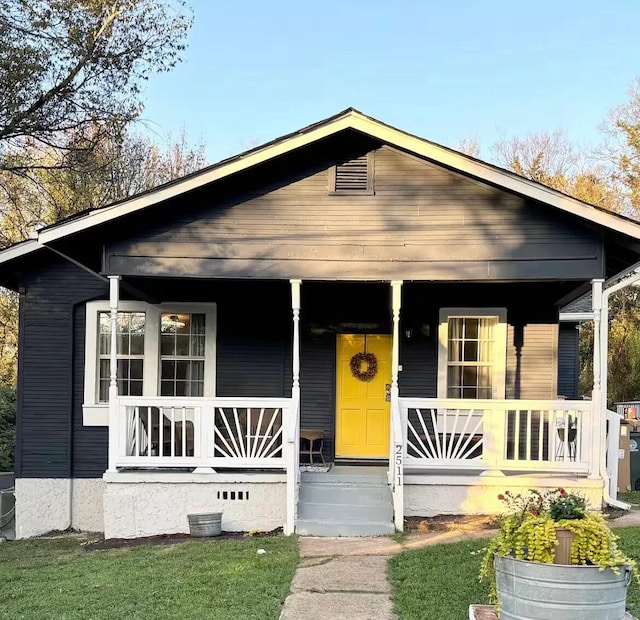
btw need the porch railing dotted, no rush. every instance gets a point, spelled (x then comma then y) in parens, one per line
(520, 435)
(201, 432)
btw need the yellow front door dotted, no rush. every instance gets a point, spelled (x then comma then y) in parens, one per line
(362, 409)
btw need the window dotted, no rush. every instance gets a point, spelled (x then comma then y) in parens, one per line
(130, 348)
(471, 358)
(163, 350)
(182, 351)
(353, 176)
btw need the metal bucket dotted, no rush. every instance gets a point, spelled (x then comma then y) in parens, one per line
(536, 591)
(205, 524)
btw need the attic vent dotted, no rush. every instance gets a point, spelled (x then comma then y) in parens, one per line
(354, 176)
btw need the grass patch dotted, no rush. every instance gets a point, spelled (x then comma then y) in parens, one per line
(47, 579)
(630, 543)
(440, 582)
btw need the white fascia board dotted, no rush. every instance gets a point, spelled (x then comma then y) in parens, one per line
(19, 250)
(368, 126)
(575, 317)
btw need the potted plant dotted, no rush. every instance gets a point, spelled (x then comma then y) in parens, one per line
(552, 557)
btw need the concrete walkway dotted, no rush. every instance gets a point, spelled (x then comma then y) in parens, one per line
(346, 578)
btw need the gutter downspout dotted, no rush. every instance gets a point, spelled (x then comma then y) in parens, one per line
(632, 279)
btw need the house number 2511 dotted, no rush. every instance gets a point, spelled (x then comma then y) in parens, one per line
(398, 465)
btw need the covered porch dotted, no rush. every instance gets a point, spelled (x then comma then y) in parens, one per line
(428, 435)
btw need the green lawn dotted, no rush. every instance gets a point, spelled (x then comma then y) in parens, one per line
(440, 582)
(219, 579)
(633, 497)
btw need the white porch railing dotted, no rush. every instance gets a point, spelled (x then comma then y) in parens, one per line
(522, 435)
(200, 432)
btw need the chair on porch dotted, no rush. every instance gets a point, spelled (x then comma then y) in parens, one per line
(312, 443)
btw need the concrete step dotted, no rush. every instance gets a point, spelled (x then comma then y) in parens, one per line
(328, 527)
(344, 493)
(373, 477)
(346, 512)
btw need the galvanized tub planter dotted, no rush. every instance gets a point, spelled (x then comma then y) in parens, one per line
(535, 591)
(205, 524)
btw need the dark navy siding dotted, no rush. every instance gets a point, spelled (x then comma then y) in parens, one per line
(568, 360)
(50, 410)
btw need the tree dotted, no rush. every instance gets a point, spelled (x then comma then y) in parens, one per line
(75, 67)
(7, 427)
(622, 148)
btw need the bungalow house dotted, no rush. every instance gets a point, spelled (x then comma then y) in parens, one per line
(395, 299)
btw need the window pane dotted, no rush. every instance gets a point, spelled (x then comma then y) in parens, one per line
(167, 344)
(104, 344)
(454, 392)
(136, 344)
(484, 376)
(123, 369)
(198, 324)
(182, 370)
(104, 371)
(168, 370)
(181, 388)
(197, 389)
(455, 351)
(469, 376)
(486, 352)
(103, 391)
(166, 388)
(455, 328)
(182, 345)
(135, 388)
(136, 369)
(469, 393)
(471, 351)
(471, 328)
(197, 371)
(197, 346)
(486, 328)
(123, 344)
(454, 376)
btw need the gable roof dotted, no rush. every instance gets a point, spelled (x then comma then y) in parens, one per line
(349, 119)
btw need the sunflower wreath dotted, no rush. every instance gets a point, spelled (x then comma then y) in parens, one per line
(356, 366)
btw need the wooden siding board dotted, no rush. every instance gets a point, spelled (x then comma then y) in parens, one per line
(568, 360)
(427, 218)
(318, 380)
(48, 438)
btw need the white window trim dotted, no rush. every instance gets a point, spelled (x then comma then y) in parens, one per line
(95, 413)
(500, 346)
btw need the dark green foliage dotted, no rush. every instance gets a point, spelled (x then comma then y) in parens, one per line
(7, 427)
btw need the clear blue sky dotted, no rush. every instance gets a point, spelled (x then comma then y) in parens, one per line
(443, 69)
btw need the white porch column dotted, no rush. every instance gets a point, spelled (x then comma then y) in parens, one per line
(293, 435)
(598, 420)
(397, 444)
(114, 298)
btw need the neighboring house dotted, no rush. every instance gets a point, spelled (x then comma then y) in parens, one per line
(399, 296)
